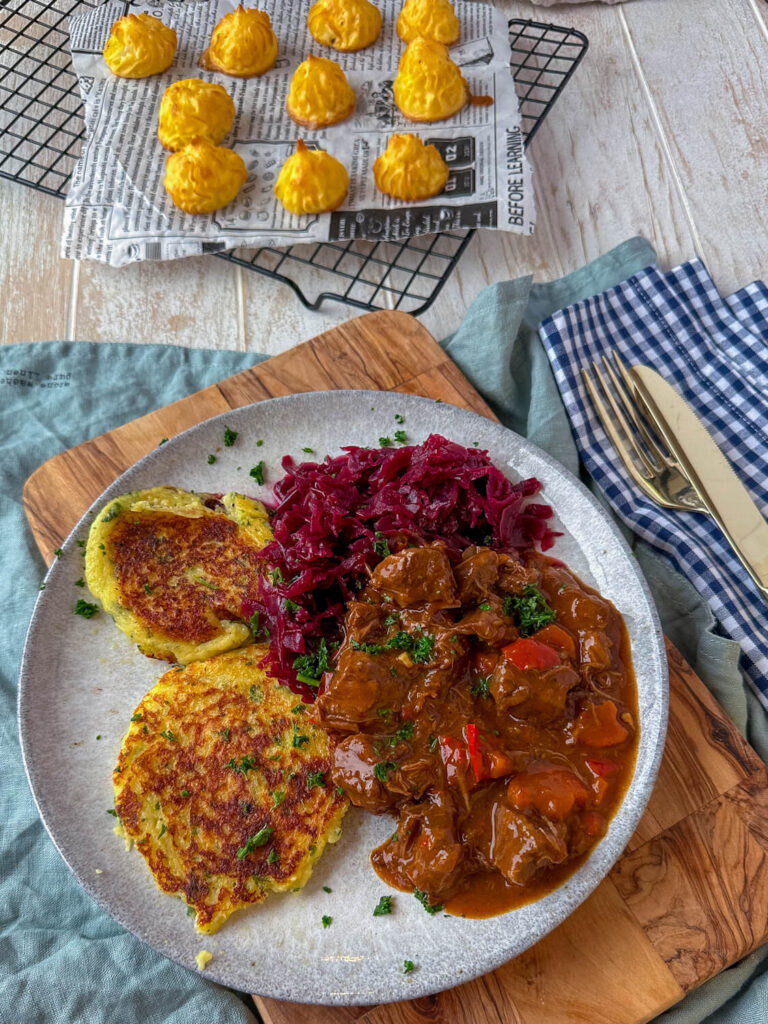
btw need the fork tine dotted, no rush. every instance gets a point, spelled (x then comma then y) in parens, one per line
(661, 456)
(646, 485)
(614, 436)
(618, 412)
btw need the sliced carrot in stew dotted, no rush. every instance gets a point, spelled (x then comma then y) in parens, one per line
(599, 726)
(526, 653)
(557, 637)
(553, 792)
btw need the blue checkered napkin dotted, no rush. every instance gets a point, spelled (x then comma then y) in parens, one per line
(715, 352)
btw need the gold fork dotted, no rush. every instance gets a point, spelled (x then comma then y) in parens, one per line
(631, 429)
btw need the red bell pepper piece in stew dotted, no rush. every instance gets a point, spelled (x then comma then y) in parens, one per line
(527, 653)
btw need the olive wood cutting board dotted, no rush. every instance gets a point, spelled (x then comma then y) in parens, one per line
(688, 897)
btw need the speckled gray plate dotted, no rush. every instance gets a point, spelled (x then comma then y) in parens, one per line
(81, 680)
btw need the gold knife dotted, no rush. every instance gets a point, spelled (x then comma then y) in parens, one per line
(725, 496)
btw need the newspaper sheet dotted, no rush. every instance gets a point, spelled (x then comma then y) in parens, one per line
(118, 212)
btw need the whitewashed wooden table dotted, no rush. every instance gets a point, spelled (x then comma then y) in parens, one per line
(663, 132)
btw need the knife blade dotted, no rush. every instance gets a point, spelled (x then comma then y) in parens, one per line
(725, 496)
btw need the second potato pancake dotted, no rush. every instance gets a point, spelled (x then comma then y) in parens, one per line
(224, 785)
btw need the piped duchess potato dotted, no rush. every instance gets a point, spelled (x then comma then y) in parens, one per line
(223, 783)
(173, 569)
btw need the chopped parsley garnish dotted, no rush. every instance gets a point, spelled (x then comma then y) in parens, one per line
(162, 831)
(405, 732)
(384, 906)
(184, 793)
(230, 436)
(225, 733)
(258, 472)
(340, 790)
(327, 888)
(309, 451)
(255, 693)
(112, 811)
(399, 418)
(400, 437)
(277, 575)
(383, 768)
(58, 551)
(86, 609)
(433, 742)
(168, 735)
(431, 908)
(137, 717)
(315, 779)
(162, 440)
(147, 589)
(206, 583)
(260, 839)
(278, 797)
(480, 687)
(272, 858)
(392, 619)
(385, 442)
(247, 764)
(259, 443)
(408, 966)
(385, 713)
(419, 645)
(327, 921)
(310, 667)
(367, 648)
(290, 606)
(299, 741)
(380, 545)
(484, 607)
(80, 543)
(211, 459)
(529, 610)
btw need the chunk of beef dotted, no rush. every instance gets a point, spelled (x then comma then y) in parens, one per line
(363, 620)
(417, 576)
(427, 853)
(361, 685)
(521, 846)
(489, 625)
(538, 695)
(412, 777)
(514, 577)
(476, 574)
(354, 769)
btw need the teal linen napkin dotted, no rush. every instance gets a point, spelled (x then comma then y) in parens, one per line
(64, 961)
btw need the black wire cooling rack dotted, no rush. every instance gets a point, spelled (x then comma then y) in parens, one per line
(41, 132)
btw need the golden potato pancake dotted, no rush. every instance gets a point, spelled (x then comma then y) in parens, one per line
(223, 783)
(173, 573)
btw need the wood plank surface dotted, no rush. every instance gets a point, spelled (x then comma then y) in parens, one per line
(688, 897)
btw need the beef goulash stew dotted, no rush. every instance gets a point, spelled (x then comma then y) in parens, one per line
(490, 706)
